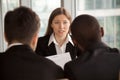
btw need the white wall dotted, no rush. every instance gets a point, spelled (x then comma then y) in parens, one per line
(1, 30)
(70, 6)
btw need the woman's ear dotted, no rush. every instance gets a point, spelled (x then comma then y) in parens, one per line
(101, 31)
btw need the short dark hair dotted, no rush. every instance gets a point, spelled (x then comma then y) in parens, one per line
(56, 12)
(85, 30)
(21, 24)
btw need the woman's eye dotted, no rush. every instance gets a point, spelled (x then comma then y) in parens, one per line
(56, 22)
(65, 22)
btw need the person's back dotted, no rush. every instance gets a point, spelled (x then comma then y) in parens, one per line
(103, 66)
(19, 61)
(97, 61)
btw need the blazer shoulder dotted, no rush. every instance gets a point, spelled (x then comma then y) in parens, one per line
(109, 50)
(42, 44)
(43, 39)
(2, 54)
(114, 50)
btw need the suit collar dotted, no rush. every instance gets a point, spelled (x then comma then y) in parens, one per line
(19, 49)
(14, 44)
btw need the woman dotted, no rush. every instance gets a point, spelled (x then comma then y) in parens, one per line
(57, 39)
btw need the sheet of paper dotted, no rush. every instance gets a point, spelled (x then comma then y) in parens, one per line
(60, 59)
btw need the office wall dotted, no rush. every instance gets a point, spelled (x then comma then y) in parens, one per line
(1, 30)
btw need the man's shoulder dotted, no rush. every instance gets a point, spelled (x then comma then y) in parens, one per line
(114, 50)
(106, 50)
(1, 53)
(106, 56)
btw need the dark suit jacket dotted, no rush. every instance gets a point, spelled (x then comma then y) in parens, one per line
(21, 63)
(44, 50)
(101, 63)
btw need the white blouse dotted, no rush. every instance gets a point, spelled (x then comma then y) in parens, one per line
(59, 49)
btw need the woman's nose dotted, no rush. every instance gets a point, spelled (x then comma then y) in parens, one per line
(61, 25)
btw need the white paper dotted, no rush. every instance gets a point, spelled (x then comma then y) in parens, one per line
(60, 59)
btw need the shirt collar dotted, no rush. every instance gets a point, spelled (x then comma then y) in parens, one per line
(52, 39)
(14, 44)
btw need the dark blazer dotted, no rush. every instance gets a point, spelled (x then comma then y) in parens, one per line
(21, 63)
(44, 50)
(101, 63)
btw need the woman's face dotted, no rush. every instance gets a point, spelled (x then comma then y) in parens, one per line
(60, 25)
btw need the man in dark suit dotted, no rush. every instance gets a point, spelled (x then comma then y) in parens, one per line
(97, 60)
(19, 62)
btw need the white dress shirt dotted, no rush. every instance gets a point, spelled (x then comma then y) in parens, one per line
(60, 49)
(14, 44)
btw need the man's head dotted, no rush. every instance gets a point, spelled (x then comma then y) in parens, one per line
(21, 25)
(86, 30)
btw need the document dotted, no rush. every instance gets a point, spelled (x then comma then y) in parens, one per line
(60, 59)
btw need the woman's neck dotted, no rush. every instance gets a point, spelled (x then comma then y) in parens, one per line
(60, 40)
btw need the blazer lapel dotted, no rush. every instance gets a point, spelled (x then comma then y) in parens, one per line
(52, 49)
(70, 48)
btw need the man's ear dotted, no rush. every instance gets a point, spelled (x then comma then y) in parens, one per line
(101, 31)
(34, 41)
(5, 37)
